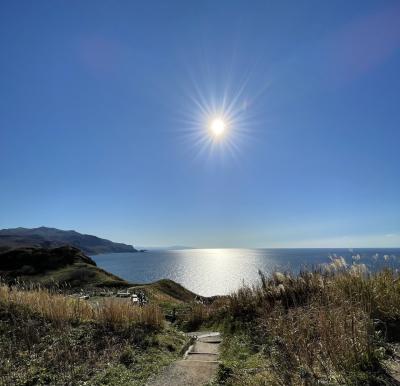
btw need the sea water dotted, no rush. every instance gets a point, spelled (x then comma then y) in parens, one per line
(210, 272)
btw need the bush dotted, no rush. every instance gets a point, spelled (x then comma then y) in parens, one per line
(224, 373)
(127, 357)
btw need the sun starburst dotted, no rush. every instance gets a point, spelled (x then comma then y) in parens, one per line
(214, 123)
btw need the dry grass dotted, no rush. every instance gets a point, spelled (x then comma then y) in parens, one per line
(378, 294)
(317, 341)
(61, 309)
(50, 338)
(113, 312)
(328, 325)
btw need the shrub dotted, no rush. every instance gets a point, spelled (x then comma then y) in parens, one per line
(127, 357)
(224, 373)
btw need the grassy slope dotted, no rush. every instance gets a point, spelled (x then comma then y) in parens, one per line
(79, 275)
(85, 276)
(166, 291)
(40, 351)
(69, 267)
(50, 338)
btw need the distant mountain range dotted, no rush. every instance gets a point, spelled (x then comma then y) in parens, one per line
(51, 238)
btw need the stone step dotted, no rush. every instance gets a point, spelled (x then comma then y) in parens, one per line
(205, 347)
(200, 357)
(200, 361)
(210, 339)
(201, 353)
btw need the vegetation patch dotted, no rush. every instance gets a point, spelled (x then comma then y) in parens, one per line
(49, 338)
(331, 326)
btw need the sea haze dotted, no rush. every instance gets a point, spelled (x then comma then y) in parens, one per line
(220, 271)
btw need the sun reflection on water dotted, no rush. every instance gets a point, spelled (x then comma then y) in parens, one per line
(220, 271)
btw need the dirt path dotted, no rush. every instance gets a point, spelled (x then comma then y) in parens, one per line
(198, 366)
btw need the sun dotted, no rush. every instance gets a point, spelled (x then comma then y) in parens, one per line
(217, 127)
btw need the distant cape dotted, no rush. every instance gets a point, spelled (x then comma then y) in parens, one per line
(51, 238)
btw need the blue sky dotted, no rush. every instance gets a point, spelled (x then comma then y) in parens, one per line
(105, 108)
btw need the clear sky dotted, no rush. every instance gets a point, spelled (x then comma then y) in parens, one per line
(105, 110)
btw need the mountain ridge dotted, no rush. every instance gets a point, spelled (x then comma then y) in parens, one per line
(46, 237)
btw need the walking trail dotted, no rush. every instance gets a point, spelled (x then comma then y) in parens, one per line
(198, 366)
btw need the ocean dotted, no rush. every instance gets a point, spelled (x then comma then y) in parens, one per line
(210, 272)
